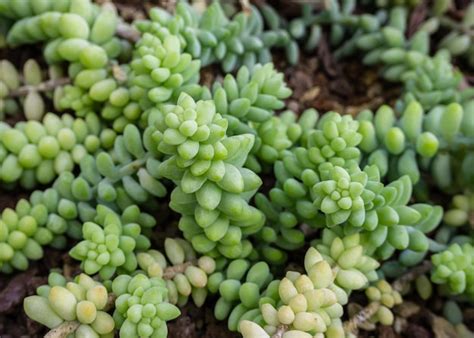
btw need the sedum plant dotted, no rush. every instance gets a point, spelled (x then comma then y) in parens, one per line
(119, 180)
(453, 270)
(429, 79)
(51, 214)
(82, 302)
(454, 125)
(249, 101)
(147, 300)
(460, 212)
(435, 141)
(23, 232)
(455, 35)
(22, 89)
(142, 307)
(352, 268)
(242, 286)
(213, 187)
(35, 153)
(142, 301)
(84, 35)
(251, 96)
(386, 297)
(359, 189)
(340, 195)
(214, 37)
(73, 22)
(110, 245)
(157, 72)
(309, 304)
(278, 134)
(401, 142)
(185, 274)
(322, 185)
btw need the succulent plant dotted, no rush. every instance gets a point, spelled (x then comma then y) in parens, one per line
(110, 244)
(453, 269)
(83, 300)
(142, 307)
(252, 181)
(213, 187)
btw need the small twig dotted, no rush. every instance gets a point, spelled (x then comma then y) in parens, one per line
(171, 271)
(42, 87)
(399, 284)
(63, 330)
(245, 4)
(281, 329)
(127, 32)
(361, 317)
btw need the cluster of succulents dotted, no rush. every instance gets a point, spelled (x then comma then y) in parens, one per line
(241, 288)
(158, 71)
(420, 140)
(353, 269)
(35, 152)
(185, 274)
(142, 307)
(322, 185)
(454, 124)
(383, 138)
(23, 89)
(109, 246)
(249, 101)
(213, 187)
(83, 34)
(82, 300)
(213, 37)
(384, 294)
(51, 214)
(252, 182)
(309, 304)
(431, 80)
(460, 212)
(457, 40)
(454, 270)
(279, 134)
(23, 232)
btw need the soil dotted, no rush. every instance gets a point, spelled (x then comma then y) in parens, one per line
(318, 81)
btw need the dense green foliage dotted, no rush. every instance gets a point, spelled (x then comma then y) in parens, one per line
(252, 183)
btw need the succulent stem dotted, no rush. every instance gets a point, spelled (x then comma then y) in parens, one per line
(281, 329)
(361, 317)
(42, 87)
(411, 275)
(63, 330)
(171, 271)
